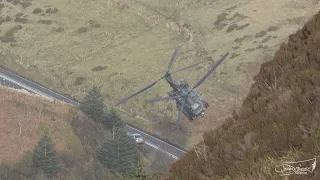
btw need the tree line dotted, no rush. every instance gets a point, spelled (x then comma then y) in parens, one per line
(118, 152)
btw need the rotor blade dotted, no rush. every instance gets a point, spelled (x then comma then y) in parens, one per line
(185, 68)
(211, 70)
(163, 99)
(142, 90)
(172, 58)
(180, 114)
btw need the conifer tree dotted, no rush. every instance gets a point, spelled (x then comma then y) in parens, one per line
(119, 153)
(139, 174)
(93, 104)
(113, 120)
(44, 156)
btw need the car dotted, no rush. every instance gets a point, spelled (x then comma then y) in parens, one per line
(137, 137)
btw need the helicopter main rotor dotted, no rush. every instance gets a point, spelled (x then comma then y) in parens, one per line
(196, 85)
(155, 82)
(168, 74)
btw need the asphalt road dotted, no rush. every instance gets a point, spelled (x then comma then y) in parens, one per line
(166, 152)
(4, 82)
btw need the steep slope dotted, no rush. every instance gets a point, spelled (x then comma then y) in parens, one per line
(123, 45)
(278, 121)
(75, 137)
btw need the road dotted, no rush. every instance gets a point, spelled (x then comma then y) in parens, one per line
(169, 153)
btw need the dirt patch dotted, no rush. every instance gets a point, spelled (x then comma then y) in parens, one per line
(22, 3)
(21, 18)
(273, 28)
(237, 27)
(9, 35)
(260, 34)
(37, 11)
(236, 17)
(94, 24)
(99, 68)
(219, 23)
(283, 105)
(234, 55)
(239, 40)
(5, 19)
(83, 30)
(47, 22)
(79, 81)
(223, 20)
(266, 39)
(249, 49)
(52, 10)
(236, 47)
(260, 46)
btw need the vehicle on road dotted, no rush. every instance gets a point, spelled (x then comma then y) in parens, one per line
(137, 137)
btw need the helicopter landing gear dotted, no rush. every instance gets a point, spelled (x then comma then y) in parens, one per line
(189, 117)
(206, 105)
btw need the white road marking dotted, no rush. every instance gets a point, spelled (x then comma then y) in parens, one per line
(159, 149)
(5, 77)
(22, 85)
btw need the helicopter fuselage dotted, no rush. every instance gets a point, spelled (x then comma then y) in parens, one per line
(173, 84)
(194, 106)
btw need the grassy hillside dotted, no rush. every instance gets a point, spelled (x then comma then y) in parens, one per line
(122, 45)
(75, 137)
(278, 121)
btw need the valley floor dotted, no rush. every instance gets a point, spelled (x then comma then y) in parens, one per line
(121, 46)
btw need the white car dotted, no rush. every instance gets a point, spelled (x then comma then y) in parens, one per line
(138, 137)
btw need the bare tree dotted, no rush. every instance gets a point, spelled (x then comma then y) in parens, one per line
(113, 131)
(40, 109)
(201, 152)
(23, 118)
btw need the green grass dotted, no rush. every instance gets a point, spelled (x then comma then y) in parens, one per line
(134, 43)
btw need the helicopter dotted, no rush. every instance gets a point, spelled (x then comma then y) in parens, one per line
(188, 101)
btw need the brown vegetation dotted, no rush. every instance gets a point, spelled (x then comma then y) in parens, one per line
(76, 138)
(14, 108)
(279, 119)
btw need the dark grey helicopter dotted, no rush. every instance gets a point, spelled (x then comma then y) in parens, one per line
(190, 103)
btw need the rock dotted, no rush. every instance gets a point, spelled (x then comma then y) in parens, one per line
(238, 151)
(247, 139)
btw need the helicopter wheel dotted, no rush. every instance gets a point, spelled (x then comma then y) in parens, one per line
(190, 119)
(206, 105)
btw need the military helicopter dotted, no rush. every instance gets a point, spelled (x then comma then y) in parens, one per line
(188, 101)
